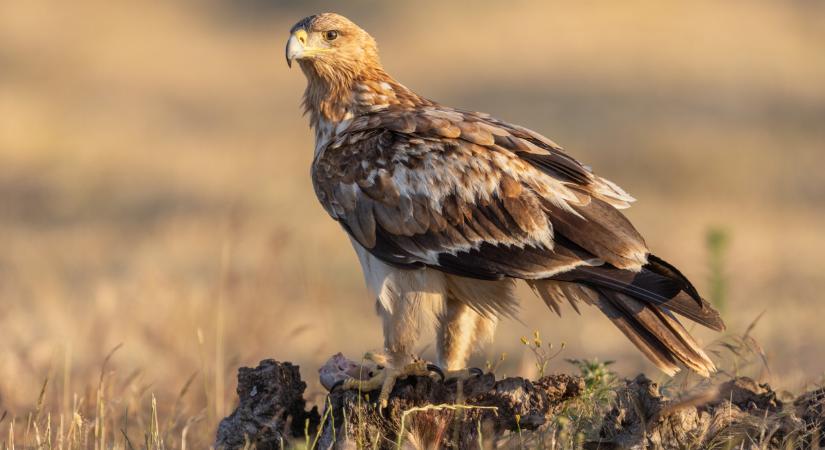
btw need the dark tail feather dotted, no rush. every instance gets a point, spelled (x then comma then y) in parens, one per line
(640, 305)
(665, 269)
(657, 283)
(655, 332)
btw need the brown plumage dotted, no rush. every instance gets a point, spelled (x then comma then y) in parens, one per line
(437, 200)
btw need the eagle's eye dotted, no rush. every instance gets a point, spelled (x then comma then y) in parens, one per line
(331, 35)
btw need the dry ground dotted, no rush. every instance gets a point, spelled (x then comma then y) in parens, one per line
(154, 186)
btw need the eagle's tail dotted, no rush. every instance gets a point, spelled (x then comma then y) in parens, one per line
(641, 304)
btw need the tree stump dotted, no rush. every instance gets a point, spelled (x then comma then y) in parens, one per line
(424, 412)
(271, 408)
(433, 413)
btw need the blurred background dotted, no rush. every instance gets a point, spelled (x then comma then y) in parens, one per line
(155, 191)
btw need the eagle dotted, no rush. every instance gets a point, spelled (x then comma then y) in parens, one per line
(448, 209)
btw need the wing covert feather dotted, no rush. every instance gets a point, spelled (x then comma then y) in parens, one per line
(471, 195)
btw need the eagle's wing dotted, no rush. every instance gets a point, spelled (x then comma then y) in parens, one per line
(471, 196)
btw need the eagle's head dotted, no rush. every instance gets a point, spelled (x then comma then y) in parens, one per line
(329, 46)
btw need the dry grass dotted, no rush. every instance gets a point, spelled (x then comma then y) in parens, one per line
(154, 189)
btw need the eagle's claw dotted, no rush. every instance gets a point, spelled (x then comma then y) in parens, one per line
(337, 384)
(437, 370)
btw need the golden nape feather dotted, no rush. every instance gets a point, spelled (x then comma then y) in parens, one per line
(424, 187)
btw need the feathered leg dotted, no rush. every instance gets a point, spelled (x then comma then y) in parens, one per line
(460, 330)
(402, 298)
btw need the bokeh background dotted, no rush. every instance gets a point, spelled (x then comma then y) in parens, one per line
(155, 192)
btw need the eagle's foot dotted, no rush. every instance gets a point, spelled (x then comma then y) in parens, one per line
(386, 377)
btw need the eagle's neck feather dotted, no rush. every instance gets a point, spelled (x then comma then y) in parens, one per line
(333, 99)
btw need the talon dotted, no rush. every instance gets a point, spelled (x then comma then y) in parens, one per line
(436, 369)
(386, 389)
(475, 371)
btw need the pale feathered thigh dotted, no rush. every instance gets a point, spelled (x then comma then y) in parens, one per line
(430, 287)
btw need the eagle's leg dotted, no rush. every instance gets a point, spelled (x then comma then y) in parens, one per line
(403, 298)
(400, 333)
(413, 294)
(460, 330)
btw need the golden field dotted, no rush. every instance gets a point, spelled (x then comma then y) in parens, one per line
(155, 192)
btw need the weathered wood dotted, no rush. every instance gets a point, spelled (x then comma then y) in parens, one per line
(271, 410)
(483, 405)
(739, 413)
(424, 412)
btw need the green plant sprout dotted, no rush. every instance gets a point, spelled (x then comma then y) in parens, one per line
(543, 353)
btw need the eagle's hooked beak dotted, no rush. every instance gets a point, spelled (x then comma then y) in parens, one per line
(295, 46)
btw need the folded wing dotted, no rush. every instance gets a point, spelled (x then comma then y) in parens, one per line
(476, 197)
